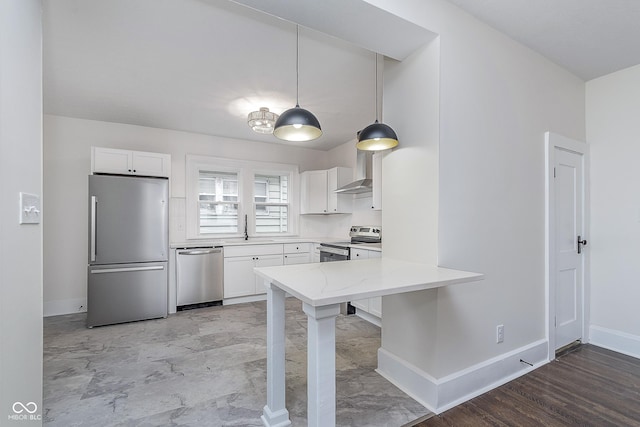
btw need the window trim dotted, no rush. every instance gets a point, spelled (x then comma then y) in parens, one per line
(246, 171)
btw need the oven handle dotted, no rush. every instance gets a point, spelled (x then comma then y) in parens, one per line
(336, 251)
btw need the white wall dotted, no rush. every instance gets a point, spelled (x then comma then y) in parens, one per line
(497, 98)
(613, 132)
(410, 197)
(67, 143)
(20, 171)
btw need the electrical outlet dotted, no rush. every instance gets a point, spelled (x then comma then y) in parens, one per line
(499, 334)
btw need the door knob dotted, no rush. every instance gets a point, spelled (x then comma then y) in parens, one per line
(581, 242)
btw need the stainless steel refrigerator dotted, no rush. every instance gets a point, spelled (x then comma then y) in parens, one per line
(128, 249)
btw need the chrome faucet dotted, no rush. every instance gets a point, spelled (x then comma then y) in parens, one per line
(246, 234)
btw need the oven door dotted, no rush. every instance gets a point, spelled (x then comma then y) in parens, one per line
(333, 253)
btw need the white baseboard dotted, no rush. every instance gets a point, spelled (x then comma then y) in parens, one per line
(614, 340)
(64, 306)
(241, 300)
(438, 395)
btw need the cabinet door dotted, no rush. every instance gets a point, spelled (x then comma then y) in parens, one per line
(316, 253)
(314, 192)
(297, 258)
(110, 160)
(375, 306)
(264, 261)
(359, 254)
(239, 279)
(337, 202)
(375, 303)
(150, 164)
(370, 305)
(376, 176)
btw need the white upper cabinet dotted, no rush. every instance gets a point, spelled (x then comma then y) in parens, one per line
(317, 191)
(126, 162)
(376, 177)
(313, 188)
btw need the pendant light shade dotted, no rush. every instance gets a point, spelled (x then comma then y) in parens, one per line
(262, 121)
(297, 124)
(376, 136)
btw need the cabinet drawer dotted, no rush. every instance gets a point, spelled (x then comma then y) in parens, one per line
(249, 250)
(295, 248)
(359, 254)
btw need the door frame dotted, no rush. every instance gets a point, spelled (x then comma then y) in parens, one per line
(553, 141)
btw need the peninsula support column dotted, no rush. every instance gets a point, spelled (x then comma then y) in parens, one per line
(275, 413)
(321, 364)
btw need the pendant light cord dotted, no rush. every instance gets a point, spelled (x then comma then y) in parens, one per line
(376, 87)
(297, 64)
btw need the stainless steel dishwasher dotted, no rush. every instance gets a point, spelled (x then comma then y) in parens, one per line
(199, 277)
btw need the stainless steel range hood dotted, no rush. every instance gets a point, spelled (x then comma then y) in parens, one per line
(363, 182)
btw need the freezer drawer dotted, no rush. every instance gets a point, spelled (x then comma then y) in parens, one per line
(126, 292)
(199, 275)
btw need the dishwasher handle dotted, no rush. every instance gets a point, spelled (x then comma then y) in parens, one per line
(201, 251)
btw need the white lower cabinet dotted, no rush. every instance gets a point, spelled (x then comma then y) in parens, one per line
(297, 253)
(239, 279)
(290, 259)
(239, 262)
(372, 306)
(265, 261)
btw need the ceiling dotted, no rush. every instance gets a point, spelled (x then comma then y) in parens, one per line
(590, 38)
(199, 66)
(202, 65)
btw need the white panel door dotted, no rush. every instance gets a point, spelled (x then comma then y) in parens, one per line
(569, 253)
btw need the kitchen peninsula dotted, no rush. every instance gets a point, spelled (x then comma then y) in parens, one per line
(322, 288)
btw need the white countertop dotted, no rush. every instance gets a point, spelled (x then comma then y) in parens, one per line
(251, 241)
(341, 281)
(270, 241)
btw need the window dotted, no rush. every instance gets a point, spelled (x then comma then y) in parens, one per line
(217, 200)
(271, 201)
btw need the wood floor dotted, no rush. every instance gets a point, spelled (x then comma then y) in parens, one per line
(589, 386)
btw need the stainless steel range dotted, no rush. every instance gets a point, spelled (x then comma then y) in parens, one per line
(360, 234)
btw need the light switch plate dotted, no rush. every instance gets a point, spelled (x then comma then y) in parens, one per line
(29, 208)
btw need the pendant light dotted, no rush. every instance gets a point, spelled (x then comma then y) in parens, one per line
(376, 136)
(297, 124)
(262, 121)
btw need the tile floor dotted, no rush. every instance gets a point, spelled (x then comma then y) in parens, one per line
(205, 367)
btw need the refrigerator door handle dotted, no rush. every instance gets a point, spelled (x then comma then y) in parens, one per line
(126, 269)
(94, 212)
